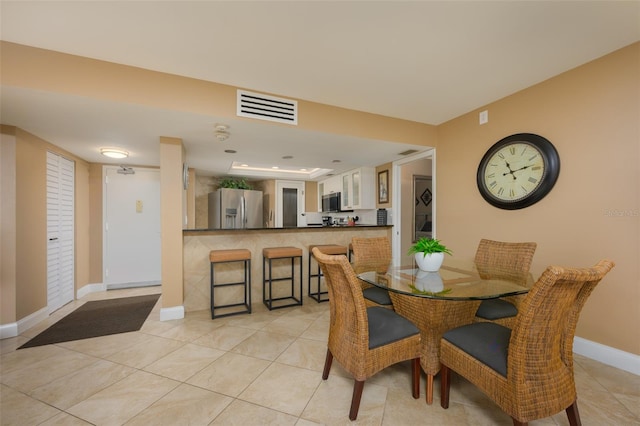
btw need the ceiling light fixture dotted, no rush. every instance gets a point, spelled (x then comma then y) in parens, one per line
(114, 153)
(221, 132)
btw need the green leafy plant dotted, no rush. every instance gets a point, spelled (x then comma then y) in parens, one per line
(236, 183)
(428, 246)
(415, 290)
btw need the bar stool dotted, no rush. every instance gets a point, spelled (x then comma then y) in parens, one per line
(275, 253)
(227, 256)
(332, 249)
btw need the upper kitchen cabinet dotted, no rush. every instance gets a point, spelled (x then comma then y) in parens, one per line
(358, 189)
(329, 186)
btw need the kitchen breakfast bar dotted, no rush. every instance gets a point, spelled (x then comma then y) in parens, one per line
(198, 243)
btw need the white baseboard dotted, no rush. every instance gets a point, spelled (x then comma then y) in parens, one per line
(90, 288)
(15, 328)
(607, 355)
(175, 312)
(8, 330)
(133, 285)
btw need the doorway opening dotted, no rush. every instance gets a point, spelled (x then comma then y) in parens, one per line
(405, 198)
(290, 201)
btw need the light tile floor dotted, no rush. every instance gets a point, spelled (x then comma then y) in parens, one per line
(258, 369)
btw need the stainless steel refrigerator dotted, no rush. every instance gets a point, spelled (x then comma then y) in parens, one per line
(235, 208)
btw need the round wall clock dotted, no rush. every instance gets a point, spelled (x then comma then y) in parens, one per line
(518, 171)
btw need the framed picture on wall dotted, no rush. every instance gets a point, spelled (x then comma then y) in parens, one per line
(383, 187)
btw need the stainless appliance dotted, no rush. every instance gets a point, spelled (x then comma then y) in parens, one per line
(331, 202)
(235, 208)
(327, 221)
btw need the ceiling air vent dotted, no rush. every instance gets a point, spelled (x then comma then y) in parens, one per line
(408, 152)
(264, 107)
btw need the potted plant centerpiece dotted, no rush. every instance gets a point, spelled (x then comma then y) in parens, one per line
(429, 253)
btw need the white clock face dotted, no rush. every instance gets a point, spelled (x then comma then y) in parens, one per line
(514, 172)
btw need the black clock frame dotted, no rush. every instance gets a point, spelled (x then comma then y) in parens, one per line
(551, 161)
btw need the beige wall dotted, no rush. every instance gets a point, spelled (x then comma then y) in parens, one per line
(7, 226)
(95, 223)
(171, 221)
(311, 196)
(591, 114)
(30, 285)
(40, 69)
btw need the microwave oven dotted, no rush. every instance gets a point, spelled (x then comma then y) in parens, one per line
(331, 202)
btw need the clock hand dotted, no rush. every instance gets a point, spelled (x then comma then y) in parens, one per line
(522, 168)
(510, 171)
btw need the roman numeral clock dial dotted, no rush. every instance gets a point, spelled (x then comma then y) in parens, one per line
(518, 171)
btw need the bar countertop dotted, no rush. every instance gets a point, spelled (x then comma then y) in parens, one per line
(204, 231)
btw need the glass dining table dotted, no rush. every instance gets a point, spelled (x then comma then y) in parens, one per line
(439, 301)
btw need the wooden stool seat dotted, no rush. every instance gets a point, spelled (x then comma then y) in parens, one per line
(227, 256)
(330, 249)
(234, 255)
(280, 252)
(269, 254)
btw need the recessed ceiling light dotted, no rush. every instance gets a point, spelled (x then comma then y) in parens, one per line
(114, 153)
(287, 157)
(230, 151)
(335, 161)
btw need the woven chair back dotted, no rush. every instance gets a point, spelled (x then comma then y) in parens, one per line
(498, 259)
(348, 331)
(377, 249)
(540, 358)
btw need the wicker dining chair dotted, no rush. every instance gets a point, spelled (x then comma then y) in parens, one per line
(528, 370)
(368, 251)
(497, 259)
(364, 340)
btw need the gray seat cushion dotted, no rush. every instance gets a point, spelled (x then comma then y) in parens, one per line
(386, 326)
(377, 295)
(488, 342)
(494, 309)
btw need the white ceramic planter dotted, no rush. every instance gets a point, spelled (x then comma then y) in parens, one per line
(429, 262)
(429, 281)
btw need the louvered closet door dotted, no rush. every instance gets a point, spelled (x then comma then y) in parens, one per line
(60, 231)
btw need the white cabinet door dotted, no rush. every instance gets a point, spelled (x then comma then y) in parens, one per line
(60, 231)
(346, 203)
(328, 186)
(358, 189)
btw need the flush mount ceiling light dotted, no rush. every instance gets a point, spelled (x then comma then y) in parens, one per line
(221, 132)
(114, 153)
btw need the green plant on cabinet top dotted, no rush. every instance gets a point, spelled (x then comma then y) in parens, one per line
(236, 183)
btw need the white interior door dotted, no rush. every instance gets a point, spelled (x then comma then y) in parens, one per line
(132, 228)
(60, 231)
(286, 191)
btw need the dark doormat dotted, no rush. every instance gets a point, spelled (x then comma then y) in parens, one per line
(98, 318)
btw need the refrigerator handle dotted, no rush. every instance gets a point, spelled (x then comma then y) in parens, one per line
(243, 213)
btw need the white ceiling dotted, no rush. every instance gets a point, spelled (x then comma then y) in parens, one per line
(425, 61)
